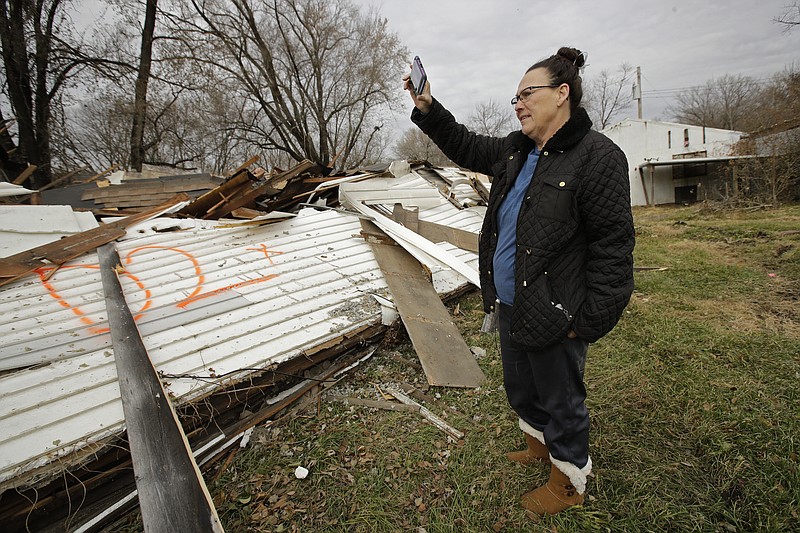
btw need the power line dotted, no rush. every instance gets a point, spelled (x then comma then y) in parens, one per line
(665, 93)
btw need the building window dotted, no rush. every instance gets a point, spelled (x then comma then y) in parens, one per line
(686, 137)
(669, 139)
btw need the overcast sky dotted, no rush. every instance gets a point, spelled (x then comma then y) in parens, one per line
(475, 51)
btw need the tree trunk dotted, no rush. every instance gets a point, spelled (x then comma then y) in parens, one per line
(18, 76)
(140, 97)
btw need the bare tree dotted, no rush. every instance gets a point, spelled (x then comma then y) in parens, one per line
(492, 119)
(183, 129)
(607, 95)
(725, 102)
(697, 106)
(316, 76)
(789, 17)
(142, 79)
(40, 55)
(735, 97)
(414, 145)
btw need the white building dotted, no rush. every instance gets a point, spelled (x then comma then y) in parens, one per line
(673, 163)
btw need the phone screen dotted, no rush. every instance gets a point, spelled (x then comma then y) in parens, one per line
(418, 77)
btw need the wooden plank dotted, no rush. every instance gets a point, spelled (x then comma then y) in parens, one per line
(142, 201)
(203, 203)
(445, 357)
(247, 195)
(253, 160)
(72, 246)
(156, 187)
(25, 174)
(409, 218)
(144, 196)
(172, 493)
(102, 173)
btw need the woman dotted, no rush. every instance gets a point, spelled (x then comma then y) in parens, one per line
(555, 258)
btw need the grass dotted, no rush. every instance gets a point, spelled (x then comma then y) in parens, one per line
(694, 402)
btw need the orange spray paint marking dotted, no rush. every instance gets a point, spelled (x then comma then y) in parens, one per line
(196, 295)
(44, 273)
(183, 303)
(267, 252)
(198, 271)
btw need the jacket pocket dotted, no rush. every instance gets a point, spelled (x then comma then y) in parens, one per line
(538, 319)
(558, 192)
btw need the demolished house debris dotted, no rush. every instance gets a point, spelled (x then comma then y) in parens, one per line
(239, 317)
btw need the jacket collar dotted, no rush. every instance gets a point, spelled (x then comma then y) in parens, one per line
(568, 136)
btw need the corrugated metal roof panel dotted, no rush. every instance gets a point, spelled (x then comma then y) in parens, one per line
(407, 190)
(23, 227)
(208, 302)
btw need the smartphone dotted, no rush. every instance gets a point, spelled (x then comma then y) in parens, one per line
(418, 76)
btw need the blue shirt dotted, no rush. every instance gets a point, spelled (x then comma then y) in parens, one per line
(507, 215)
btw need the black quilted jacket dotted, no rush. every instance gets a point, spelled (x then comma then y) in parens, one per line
(574, 262)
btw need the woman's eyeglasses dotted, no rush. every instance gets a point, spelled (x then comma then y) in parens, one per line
(525, 93)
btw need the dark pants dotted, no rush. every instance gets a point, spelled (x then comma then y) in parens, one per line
(545, 388)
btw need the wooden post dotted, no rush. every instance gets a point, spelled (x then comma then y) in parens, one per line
(172, 493)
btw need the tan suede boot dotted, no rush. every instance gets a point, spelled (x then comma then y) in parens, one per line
(536, 452)
(553, 497)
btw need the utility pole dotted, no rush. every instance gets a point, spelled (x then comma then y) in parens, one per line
(637, 91)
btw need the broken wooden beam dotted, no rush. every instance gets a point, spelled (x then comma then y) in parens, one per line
(445, 356)
(206, 201)
(172, 493)
(248, 194)
(62, 179)
(25, 174)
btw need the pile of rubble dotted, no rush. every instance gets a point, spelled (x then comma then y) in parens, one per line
(222, 301)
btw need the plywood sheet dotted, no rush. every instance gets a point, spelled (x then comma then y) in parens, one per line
(445, 357)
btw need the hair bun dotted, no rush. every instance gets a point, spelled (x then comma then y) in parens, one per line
(573, 55)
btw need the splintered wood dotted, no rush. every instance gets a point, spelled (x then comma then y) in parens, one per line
(430, 417)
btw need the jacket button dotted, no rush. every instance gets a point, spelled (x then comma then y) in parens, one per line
(544, 153)
(510, 157)
(489, 272)
(561, 184)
